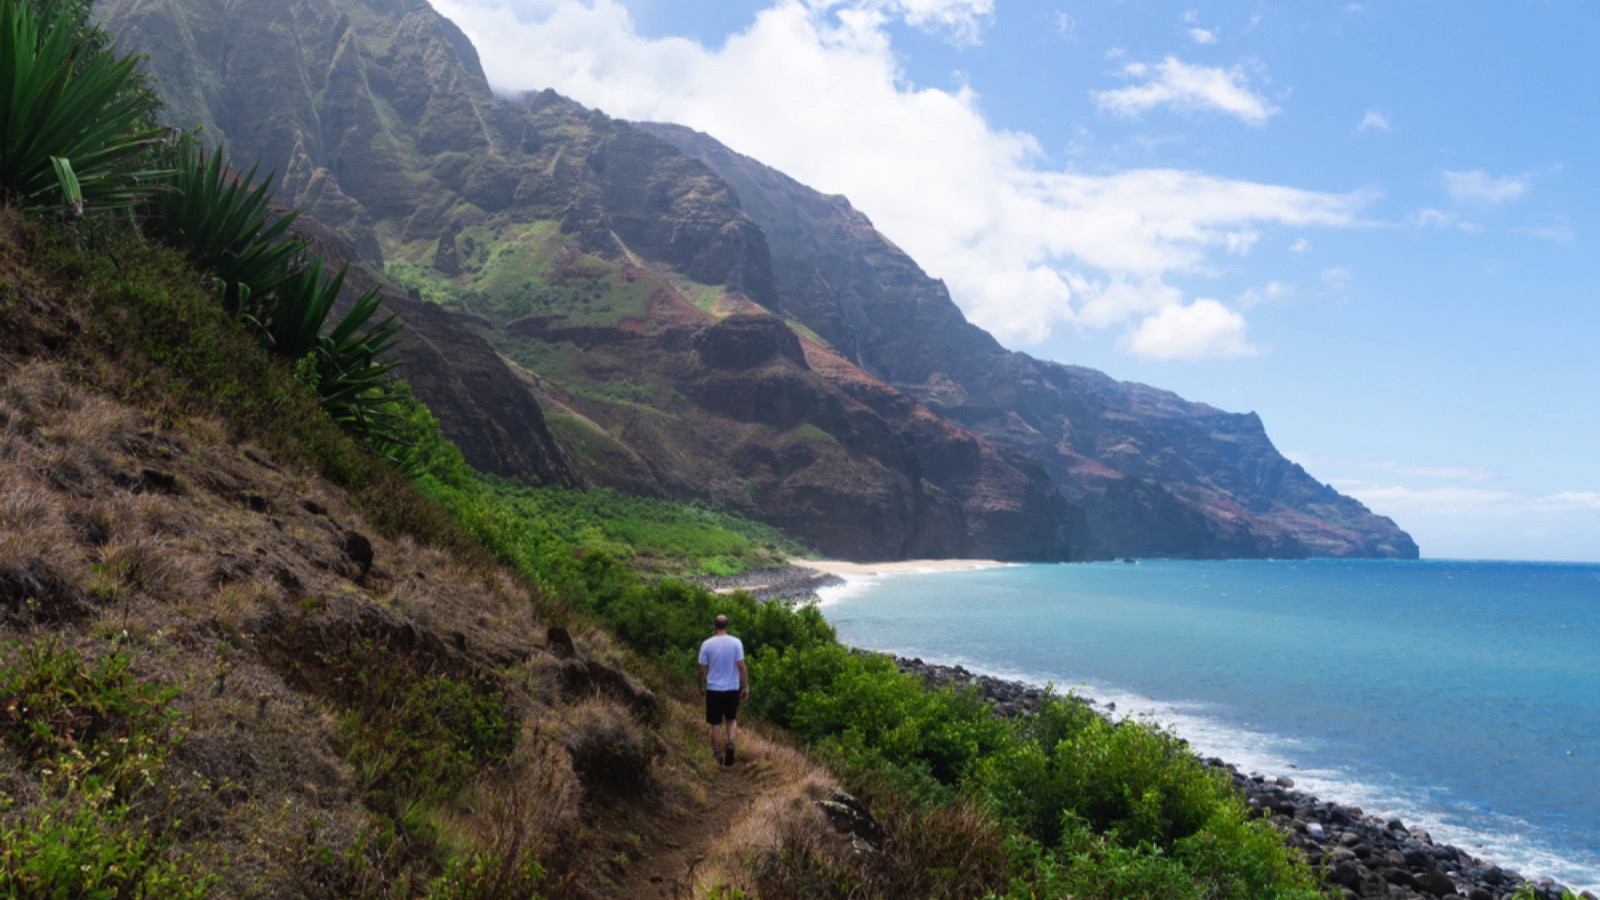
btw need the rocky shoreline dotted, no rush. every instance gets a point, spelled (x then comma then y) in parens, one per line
(793, 583)
(1360, 855)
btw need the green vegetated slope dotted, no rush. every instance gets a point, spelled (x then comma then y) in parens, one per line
(213, 690)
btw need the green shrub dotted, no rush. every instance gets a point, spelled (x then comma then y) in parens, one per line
(97, 738)
(66, 849)
(413, 737)
(85, 724)
(341, 363)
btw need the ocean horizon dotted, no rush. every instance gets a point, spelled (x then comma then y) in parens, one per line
(1461, 696)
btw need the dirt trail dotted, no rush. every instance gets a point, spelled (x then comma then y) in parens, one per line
(734, 795)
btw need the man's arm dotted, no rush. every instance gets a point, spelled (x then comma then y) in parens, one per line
(744, 681)
(703, 670)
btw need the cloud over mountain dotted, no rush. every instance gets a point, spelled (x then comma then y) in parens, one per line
(1027, 248)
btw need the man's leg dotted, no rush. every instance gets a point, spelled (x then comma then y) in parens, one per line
(713, 719)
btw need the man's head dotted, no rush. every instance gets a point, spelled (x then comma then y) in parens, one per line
(720, 623)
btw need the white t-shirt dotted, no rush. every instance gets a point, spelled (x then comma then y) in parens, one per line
(720, 654)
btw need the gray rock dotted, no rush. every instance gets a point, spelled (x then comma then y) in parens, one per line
(1436, 883)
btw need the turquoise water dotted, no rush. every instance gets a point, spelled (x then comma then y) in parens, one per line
(1462, 697)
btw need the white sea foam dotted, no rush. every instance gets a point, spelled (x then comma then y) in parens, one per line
(847, 588)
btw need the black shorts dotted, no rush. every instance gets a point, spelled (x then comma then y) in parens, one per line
(721, 705)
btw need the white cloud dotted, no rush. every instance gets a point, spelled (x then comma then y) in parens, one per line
(1066, 25)
(1373, 121)
(1182, 86)
(1202, 36)
(963, 20)
(1270, 292)
(1300, 245)
(1481, 188)
(1438, 218)
(814, 90)
(1487, 523)
(1200, 330)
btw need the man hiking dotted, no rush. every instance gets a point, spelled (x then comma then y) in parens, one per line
(724, 682)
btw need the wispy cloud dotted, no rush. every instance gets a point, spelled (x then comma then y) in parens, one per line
(1202, 36)
(1478, 502)
(1479, 187)
(815, 89)
(1560, 233)
(1182, 86)
(1462, 510)
(1456, 473)
(1373, 121)
(1438, 218)
(1065, 25)
(1270, 292)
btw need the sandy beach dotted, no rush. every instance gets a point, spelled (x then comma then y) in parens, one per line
(842, 569)
(801, 578)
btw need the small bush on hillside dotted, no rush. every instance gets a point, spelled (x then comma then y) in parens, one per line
(97, 738)
(88, 724)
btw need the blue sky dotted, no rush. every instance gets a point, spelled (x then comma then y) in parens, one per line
(1369, 222)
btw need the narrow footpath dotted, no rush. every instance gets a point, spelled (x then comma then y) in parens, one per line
(740, 809)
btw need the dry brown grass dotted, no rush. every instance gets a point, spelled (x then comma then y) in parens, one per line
(192, 555)
(784, 819)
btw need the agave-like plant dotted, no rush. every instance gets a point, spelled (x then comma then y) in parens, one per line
(223, 224)
(344, 361)
(68, 132)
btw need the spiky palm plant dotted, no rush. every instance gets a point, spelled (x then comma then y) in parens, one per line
(68, 132)
(344, 360)
(223, 224)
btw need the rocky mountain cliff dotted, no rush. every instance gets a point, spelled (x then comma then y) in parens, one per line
(1153, 473)
(689, 323)
(619, 274)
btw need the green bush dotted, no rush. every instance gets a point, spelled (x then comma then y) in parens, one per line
(66, 849)
(97, 738)
(417, 738)
(85, 724)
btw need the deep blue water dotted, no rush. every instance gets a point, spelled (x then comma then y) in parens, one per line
(1462, 697)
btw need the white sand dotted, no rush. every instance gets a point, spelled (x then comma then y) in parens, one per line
(842, 568)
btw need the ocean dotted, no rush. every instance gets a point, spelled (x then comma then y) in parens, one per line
(1462, 697)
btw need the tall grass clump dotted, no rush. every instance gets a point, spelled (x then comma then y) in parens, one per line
(266, 279)
(223, 225)
(74, 117)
